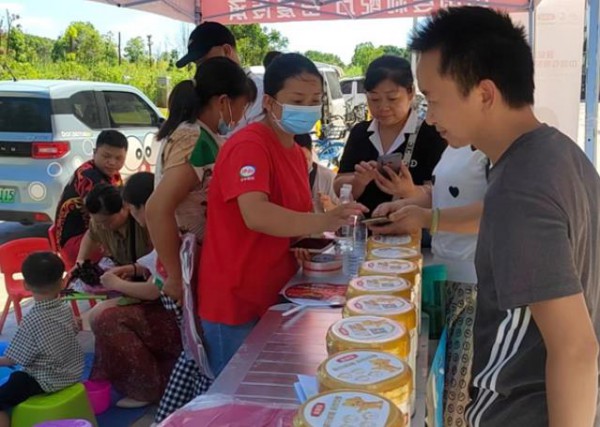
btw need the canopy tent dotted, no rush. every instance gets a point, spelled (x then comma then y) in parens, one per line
(269, 11)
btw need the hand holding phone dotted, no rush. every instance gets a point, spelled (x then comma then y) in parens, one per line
(378, 220)
(393, 161)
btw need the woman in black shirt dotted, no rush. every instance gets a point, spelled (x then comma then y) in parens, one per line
(390, 94)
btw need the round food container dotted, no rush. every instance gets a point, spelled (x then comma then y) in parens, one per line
(344, 408)
(396, 308)
(372, 371)
(322, 265)
(368, 333)
(380, 285)
(396, 252)
(391, 267)
(405, 241)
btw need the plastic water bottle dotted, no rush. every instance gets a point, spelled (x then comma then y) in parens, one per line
(352, 238)
(345, 233)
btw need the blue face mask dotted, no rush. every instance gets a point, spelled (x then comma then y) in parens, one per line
(298, 119)
(225, 128)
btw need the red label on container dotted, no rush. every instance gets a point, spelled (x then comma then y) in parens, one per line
(347, 358)
(317, 410)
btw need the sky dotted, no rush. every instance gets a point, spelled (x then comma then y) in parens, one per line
(49, 18)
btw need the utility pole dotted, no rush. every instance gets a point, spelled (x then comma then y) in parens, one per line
(119, 46)
(149, 48)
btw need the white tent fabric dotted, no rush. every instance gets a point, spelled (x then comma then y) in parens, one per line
(265, 11)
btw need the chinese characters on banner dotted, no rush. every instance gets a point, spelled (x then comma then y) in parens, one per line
(264, 11)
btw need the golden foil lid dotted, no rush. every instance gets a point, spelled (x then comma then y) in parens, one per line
(344, 408)
(405, 240)
(378, 285)
(390, 267)
(366, 370)
(399, 309)
(370, 333)
(396, 252)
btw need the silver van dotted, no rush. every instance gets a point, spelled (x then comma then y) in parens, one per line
(48, 128)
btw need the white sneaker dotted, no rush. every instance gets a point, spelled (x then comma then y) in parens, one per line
(129, 403)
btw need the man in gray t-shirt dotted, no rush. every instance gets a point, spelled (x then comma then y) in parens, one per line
(538, 267)
(538, 242)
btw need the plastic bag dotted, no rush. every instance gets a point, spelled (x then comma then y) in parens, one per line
(191, 338)
(219, 410)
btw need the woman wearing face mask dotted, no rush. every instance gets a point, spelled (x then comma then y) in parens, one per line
(395, 128)
(259, 200)
(221, 93)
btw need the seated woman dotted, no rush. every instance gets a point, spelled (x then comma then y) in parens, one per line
(258, 201)
(114, 230)
(137, 339)
(396, 128)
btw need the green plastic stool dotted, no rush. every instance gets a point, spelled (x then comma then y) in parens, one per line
(434, 301)
(71, 402)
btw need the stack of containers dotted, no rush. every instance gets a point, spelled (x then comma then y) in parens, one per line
(372, 349)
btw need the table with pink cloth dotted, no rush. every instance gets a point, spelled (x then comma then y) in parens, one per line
(256, 388)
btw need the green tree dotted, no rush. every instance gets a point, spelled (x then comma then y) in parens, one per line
(135, 50)
(17, 44)
(40, 48)
(364, 54)
(80, 42)
(395, 50)
(254, 41)
(327, 58)
(111, 54)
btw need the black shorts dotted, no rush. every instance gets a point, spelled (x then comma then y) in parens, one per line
(19, 387)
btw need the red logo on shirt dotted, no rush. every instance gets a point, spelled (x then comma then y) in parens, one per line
(247, 173)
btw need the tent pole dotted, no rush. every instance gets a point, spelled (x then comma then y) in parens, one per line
(531, 24)
(591, 81)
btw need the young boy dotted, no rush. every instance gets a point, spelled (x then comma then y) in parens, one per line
(72, 219)
(45, 344)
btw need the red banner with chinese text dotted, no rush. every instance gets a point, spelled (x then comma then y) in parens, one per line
(268, 11)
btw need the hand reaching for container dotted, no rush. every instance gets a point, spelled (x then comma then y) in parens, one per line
(343, 214)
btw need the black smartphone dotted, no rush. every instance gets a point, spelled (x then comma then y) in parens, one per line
(393, 161)
(314, 245)
(378, 220)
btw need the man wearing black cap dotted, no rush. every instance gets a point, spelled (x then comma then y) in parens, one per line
(211, 39)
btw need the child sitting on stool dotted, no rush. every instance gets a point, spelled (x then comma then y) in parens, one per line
(45, 344)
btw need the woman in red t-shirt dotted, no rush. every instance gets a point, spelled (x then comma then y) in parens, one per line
(258, 201)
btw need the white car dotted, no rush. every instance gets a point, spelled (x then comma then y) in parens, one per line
(354, 92)
(48, 128)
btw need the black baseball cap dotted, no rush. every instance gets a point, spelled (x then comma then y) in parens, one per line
(204, 37)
